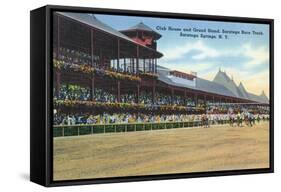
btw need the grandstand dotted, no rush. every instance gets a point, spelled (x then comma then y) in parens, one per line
(222, 87)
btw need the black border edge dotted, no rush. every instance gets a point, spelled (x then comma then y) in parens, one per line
(159, 177)
(271, 90)
(49, 96)
(38, 137)
(131, 12)
(48, 142)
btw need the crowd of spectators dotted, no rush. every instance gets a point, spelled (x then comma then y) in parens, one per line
(128, 98)
(70, 57)
(146, 97)
(73, 58)
(74, 92)
(215, 112)
(106, 118)
(104, 96)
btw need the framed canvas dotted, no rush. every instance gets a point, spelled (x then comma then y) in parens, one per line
(125, 95)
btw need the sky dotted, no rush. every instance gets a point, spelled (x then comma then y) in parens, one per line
(244, 57)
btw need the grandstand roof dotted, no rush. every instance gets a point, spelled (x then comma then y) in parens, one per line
(243, 90)
(221, 85)
(91, 20)
(223, 79)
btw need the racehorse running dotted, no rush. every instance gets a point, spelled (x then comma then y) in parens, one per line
(249, 119)
(236, 119)
(240, 118)
(232, 119)
(205, 121)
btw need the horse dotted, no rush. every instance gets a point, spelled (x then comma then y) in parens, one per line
(205, 121)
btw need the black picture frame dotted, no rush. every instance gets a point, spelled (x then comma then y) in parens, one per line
(41, 152)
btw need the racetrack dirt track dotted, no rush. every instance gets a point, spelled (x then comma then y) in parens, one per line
(160, 152)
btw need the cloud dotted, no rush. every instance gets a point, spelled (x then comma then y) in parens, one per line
(257, 55)
(179, 52)
(205, 51)
(247, 55)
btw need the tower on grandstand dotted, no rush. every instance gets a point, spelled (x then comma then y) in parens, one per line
(143, 34)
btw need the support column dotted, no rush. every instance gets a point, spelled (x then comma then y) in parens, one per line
(130, 67)
(152, 65)
(118, 54)
(205, 99)
(155, 65)
(125, 65)
(144, 65)
(118, 91)
(92, 48)
(138, 93)
(133, 64)
(137, 60)
(153, 91)
(185, 97)
(196, 99)
(149, 65)
(101, 60)
(172, 95)
(93, 88)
